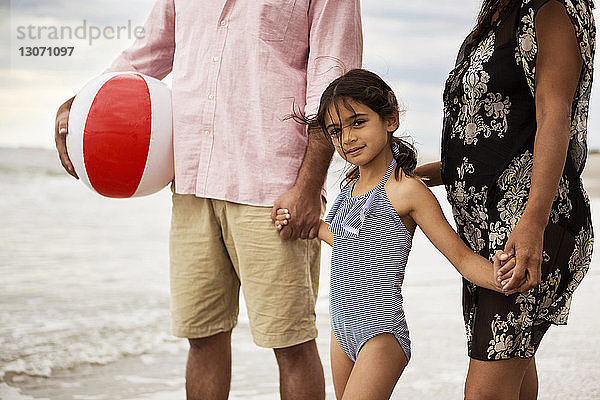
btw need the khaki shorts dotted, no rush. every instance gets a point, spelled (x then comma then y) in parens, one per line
(217, 245)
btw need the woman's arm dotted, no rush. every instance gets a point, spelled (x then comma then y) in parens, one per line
(427, 214)
(430, 173)
(558, 66)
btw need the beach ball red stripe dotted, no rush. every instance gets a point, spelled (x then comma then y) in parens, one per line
(117, 136)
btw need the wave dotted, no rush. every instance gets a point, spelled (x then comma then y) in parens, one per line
(50, 342)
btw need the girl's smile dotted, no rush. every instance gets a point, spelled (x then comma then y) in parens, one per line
(354, 151)
(358, 133)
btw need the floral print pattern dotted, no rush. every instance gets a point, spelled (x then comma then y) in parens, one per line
(477, 103)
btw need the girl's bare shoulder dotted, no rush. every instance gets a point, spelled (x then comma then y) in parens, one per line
(406, 192)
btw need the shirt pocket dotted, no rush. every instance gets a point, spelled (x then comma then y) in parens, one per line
(274, 19)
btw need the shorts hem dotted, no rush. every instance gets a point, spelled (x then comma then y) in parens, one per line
(286, 339)
(202, 332)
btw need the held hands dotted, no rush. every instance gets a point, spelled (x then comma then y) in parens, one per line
(526, 244)
(282, 218)
(306, 208)
(504, 265)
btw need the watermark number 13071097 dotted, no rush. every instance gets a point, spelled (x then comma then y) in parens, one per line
(50, 51)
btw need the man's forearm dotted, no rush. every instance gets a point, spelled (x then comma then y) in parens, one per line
(315, 164)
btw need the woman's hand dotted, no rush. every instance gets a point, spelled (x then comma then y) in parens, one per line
(430, 173)
(526, 244)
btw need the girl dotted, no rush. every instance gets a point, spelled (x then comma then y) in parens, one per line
(370, 227)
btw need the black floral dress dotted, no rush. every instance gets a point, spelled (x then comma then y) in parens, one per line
(487, 158)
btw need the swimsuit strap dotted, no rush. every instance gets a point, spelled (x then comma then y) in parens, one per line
(388, 172)
(395, 154)
(367, 206)
(349, 218)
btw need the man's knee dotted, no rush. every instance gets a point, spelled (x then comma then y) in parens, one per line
(218, 342)
(306, 350)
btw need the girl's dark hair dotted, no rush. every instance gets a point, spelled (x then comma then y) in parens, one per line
(367, 88)
(489, 8)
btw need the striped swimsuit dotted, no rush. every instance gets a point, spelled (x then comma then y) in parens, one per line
(370, 251)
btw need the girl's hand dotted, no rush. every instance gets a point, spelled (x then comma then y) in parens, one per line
(282, 218)
(504, 265)
(525, 243)
(500, 260)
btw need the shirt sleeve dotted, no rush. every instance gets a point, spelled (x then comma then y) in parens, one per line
(335, 45)
(152, 54)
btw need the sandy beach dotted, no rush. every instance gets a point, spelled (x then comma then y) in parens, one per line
(567, 360)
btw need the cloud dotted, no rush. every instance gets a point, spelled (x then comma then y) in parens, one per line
(104, 12)
(404, 39)
(430, 14)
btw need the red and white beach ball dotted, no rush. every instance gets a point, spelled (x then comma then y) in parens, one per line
(120, 138)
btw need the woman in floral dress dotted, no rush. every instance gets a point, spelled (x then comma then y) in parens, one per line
(513, 149)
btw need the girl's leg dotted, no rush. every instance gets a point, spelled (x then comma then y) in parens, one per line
(501, 380)
(529, 386)
(378, 367)
(341, 367)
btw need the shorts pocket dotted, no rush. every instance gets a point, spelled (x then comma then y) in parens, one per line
(274, 19)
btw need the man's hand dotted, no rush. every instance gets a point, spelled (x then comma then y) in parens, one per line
(526, 244)
(61, 128)
(306, 209)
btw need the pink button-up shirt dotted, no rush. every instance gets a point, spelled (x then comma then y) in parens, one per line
(239, 68)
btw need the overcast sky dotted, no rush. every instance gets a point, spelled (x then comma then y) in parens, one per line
(411, 44)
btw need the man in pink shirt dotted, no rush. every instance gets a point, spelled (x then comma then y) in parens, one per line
(239, 68)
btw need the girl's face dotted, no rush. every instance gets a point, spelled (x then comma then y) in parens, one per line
(358, 133)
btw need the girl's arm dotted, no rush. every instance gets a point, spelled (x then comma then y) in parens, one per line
(282, 219)
(430, 173)
(325, 234)
(425, 210)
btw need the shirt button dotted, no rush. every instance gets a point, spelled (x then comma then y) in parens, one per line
(223, 23)
(211, 96)
(207, 132)
(216, 58)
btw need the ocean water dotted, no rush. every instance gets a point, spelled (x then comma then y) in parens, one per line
(84, 304)
(83, 277)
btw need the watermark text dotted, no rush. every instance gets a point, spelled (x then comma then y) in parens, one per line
(84, 31)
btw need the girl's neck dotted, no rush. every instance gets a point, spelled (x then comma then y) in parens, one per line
(371, 174)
